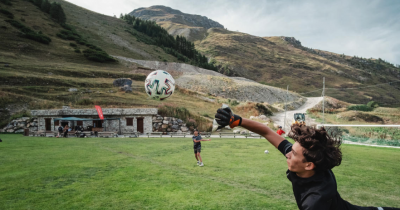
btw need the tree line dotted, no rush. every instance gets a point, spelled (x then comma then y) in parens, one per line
(179, 46)
(54, 9)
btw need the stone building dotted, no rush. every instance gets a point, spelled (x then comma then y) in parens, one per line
(123, 120)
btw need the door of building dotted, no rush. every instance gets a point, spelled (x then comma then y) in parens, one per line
(140, 125)
(47, 122)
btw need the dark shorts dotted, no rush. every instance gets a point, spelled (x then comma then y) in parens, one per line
(197, 150)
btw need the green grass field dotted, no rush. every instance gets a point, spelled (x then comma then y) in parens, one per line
(161, 173)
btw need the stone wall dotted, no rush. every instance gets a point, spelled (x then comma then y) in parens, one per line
(169, 124)
(18, 125)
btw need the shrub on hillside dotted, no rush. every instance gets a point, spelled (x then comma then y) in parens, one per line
(373, 104)
(360, 107)
(93, 47)
(69, 35)
(234, 103)
(85, 101)
(6, 2)
(263, 109)
(98, 56)
(184, 114)
(81, 41)
(94, 53)
(7, 13)
(29, 33)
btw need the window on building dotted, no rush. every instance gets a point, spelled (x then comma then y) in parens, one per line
(79, 123)
(56, 123)
(98, 123)
(129, 121)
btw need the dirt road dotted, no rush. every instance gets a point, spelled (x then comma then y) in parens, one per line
(279, 117)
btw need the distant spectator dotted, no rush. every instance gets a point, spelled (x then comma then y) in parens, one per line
(60, 130)
(280, 131)
(66, 131)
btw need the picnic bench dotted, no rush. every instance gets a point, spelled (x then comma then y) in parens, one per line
(106, 134)
(131, 134)
(251, 134)
(228, 134)
(178, 134)
(206, 134)
(154, 134)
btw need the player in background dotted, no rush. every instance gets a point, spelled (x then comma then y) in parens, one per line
(310, 160)
(197, 147)
(280, 131)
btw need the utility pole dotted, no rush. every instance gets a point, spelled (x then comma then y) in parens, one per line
(323, 102)
(287, 94)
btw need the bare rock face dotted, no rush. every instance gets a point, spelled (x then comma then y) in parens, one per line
(163, 13)
(127, 89)
(121, 82)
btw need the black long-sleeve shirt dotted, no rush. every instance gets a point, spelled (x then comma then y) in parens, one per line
(318, 192)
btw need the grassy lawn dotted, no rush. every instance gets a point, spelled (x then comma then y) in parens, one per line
(161, 173)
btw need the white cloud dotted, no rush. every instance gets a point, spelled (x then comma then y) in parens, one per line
(367, 28)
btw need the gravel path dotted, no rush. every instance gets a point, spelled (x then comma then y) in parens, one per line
(279, 117)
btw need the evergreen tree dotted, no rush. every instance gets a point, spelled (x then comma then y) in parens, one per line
(38, 3)
(57, 13)
(45, 6)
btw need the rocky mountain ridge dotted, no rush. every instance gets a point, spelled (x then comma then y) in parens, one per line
(161, 13)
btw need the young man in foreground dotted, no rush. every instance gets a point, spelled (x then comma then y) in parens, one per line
(197, 147)
(310, 160)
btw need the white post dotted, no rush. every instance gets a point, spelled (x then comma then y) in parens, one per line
(287, 94)
(323, 102)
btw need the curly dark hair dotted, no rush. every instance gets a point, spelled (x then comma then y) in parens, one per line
(321, 147)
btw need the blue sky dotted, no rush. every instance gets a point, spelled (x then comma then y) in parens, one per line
(366, 28)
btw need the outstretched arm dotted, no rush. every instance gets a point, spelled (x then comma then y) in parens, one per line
(225, 117)
(262, 130)
(201, 140)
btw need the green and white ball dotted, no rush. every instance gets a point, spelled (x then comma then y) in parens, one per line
(159, 85)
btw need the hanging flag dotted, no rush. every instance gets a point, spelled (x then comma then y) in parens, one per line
(99, 111)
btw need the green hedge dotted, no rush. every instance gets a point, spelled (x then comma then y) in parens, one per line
(373, 104)
(6, 2)
(69, 35)
(98, 56)
(361, 107)
(29, 33)
(7, 13)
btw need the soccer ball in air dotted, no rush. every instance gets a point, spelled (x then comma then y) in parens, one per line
(266, 151)
(159, 85)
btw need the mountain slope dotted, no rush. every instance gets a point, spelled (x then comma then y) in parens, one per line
(34, 75)
(282, 61)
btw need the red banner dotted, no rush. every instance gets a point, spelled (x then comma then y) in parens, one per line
(99, 111)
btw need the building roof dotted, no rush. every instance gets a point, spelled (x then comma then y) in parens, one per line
(91, 112)
(81, 119)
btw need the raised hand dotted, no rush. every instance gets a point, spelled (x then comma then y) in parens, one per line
(225, 116)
